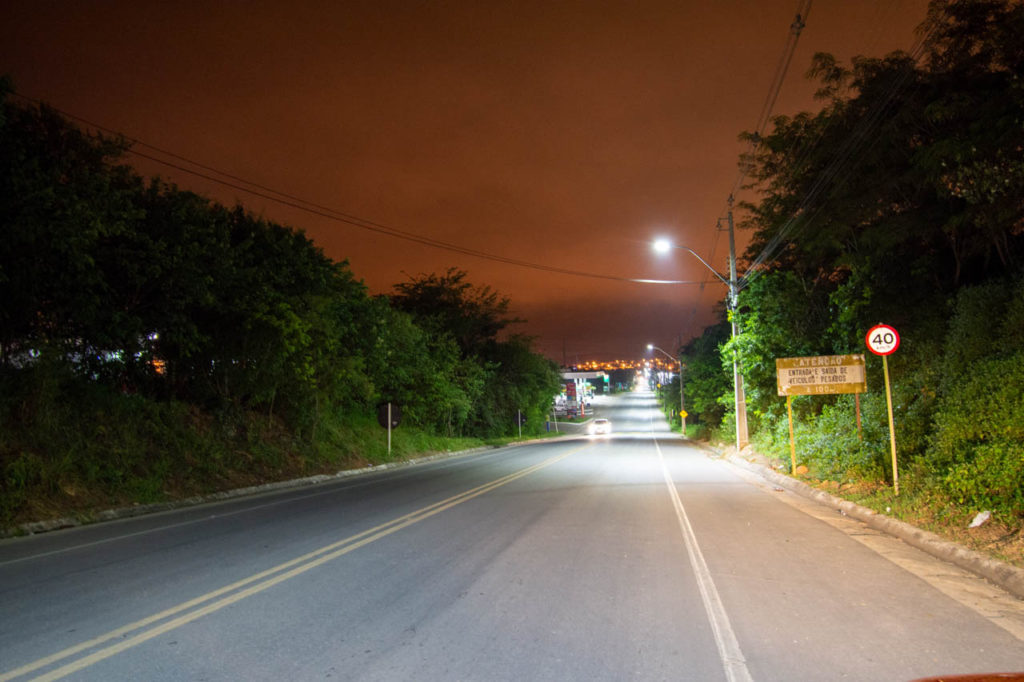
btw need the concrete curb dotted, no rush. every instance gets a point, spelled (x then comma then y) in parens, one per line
(1008, 577)
(36, 527)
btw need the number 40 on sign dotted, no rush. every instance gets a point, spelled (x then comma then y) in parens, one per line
(883, 340)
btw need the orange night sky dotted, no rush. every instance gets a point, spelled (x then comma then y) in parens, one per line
(562, 134)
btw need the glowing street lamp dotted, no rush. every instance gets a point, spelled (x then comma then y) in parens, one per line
(664, 246)
(682, 403)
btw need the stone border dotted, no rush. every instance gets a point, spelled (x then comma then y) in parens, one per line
(1006, 576)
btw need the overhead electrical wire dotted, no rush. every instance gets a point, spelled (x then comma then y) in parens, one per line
(283, 198)
(803, 10)
(840, 165)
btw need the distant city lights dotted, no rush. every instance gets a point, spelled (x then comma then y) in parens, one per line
(609, 365)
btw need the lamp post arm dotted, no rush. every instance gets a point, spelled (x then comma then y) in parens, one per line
(663, 352)
(732, 282)
(720, 277)
(682, 400)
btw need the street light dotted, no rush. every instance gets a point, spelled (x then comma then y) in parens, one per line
(682, 403)
(664, 246)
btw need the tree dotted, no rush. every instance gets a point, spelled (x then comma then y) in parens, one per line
(448, 304)
(518, 381)
(782, 315)
(63, 204)
(499, 377)
(973, 156)
(904, 181)
(883, 206)
(706, 380)
(422, 372)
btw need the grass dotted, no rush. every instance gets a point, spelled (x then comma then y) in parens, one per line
(922, 506)
(919, 504)
(73, 451)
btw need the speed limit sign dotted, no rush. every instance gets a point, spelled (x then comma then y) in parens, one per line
(882, 340)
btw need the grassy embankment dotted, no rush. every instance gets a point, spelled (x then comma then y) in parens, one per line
(74, 451)
(920, 504)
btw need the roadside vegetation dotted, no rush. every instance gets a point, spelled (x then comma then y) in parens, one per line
(155, 344)
(900, 201)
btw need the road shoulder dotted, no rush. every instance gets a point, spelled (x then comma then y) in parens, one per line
(1001, 574)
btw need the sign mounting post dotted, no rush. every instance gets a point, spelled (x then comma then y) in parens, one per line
(884, 340)
(819, 375)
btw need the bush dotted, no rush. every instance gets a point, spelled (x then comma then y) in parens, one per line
(827, 442)
(993, 478)
(977, 450)
(833, 449)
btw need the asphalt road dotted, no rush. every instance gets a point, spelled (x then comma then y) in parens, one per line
(630, 557)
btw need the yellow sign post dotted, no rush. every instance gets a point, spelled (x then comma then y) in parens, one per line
(884, 340)
(819, 375)
(792, 439)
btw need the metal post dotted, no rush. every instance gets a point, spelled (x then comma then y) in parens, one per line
(682, 402)
(742, 438)
(732, 282)
(792, 440)
(892, 428)
(860, 434)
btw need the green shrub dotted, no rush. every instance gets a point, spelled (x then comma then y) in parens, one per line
(977, 451)
(833, 449)
(828, 442)
(993, 478)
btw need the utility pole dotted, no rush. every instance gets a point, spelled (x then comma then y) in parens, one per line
(682, 401)
(742, 438)
(664, 245)
(682, 398)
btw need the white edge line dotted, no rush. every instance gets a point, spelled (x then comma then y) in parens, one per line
(729, 651)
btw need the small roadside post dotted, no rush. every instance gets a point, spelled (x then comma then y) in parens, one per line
(389, 416)
(884, 340)
(520, 420)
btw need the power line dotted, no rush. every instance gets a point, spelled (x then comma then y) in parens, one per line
(841, 164)
(803, 10)
(285, 199)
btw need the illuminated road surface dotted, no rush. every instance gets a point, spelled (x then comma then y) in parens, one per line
(633, 556)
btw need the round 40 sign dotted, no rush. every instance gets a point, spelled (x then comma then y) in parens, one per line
(882, 340)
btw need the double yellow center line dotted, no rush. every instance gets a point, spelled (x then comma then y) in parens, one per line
(143, 630)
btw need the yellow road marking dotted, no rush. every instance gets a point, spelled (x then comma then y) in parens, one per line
(270, 577)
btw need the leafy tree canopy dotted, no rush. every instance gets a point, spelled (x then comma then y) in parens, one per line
(449, 304)
(909, 176)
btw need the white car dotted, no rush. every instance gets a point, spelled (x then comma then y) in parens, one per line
(600, 426)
